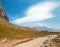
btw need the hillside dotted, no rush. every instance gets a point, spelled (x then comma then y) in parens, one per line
(11, 31)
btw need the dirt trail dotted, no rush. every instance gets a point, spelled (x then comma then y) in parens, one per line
(38, 42)
(10, 43)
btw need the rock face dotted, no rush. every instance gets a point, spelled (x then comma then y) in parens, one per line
(3, 14)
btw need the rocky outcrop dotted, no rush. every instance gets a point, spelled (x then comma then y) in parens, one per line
(3, 14)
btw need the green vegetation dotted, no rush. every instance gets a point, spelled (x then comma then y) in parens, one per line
(11, 31)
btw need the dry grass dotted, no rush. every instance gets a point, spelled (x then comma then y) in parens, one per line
(11, 31)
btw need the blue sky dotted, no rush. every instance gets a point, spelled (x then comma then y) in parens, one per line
(32, 13)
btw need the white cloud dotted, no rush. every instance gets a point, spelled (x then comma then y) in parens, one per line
(37, 12)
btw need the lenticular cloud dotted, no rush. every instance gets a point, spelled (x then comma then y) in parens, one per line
(38, 12)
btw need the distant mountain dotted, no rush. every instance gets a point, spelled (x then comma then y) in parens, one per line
(42, 28)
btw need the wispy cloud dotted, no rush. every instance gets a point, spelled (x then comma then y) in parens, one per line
(37, 12)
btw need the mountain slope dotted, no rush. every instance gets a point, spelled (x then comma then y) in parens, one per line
(11, 31)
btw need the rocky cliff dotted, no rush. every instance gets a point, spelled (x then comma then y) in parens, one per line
(3, 14)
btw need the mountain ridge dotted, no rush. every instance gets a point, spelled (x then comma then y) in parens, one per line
(43, 28)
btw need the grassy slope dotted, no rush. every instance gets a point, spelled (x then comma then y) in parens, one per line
(14, 32)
